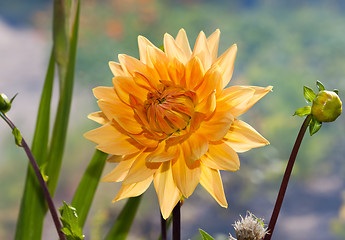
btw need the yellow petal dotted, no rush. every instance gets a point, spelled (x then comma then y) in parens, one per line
(167, 191)
(259, 93)
(173, 50)
(143, 140)
(133, 190)
(122, 114)
(119, 172)
(186, 177)
(111, 141)
(210, 82)
(143, 44)
(194, 147)
(221, 156)
(182, 41)
(163, 153)
(116, 69)
(141, 169)
(217, 126)
(176, 71)
(194, 73)
(105, 93)
(114, 159)
(211, 180)
(124, 86)
(213, 42)
(242, 137)
(98, 117)
(208, 105)
(201, 50)
(226, 62)
(131, 64)
(158, 62)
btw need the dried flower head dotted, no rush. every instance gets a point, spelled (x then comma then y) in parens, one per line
(169, 119)
(249, 228)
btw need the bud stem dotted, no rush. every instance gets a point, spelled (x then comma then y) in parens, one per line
(177, 222)
(286, 178)
(163, 228)
(40, 179)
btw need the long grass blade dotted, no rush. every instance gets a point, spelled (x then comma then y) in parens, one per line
(123, 223)
(87, 187)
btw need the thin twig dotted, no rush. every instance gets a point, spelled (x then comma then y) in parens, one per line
(163, 228)
(43, 184)
(286, 178)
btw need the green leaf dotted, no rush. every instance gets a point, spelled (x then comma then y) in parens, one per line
(87, 187)
(309, 94)
(123, 223)
(70, 222)
(304, 111)
(336, 91)
(320, 86)
(314, 126)
(61, 121)
(205, 235)
(33, 206)
(17, 137)
(161, 47)
(12, 99)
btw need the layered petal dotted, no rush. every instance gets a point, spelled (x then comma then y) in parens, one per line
(221, 156)
(226, 62)
(211, 180)
(133, 190)
(242, 137)
(167, 191)
(182, 41)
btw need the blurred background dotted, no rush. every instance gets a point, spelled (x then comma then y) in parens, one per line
(286, 44)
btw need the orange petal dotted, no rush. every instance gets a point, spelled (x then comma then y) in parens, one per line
(131, 64)
(141, 169)
(116, 69)
(119, 172)
(226, 62)
(186, 177)
(201, 50)
(210, 82)
(173, 50)
(194, 147)
(143, 43)
(114, 159)
(213, 42)
(221, 156)
(194, 73)
(211, 180)
(242, 137)
(217, 126)
(98, 117)
(105, 93)
(208, 105)
(122, 114)
(259, 93)
(158, 62)
(111, 141)
(182, 41)
(133, 190)
(167, 191)
(124, 86)
(176, 71)
(163, 153)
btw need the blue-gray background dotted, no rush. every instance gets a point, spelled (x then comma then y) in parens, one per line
(286, 44)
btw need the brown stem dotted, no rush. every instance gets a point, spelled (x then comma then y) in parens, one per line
(286, 178)
(177, 222)
(163, 228)
(40, 179)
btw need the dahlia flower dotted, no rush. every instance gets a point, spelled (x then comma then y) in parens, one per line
(169, 119)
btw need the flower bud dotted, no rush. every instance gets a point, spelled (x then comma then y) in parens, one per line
(5, 104)
(327, 106)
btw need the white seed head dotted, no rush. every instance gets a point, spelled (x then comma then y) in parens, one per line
(249, 228)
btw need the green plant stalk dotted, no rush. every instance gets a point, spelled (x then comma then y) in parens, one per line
(32, 203)
(41, 181)
(87, 187)
(123, 223)
(286, 178)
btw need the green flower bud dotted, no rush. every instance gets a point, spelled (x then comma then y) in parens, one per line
(326, 107)
(5, 104)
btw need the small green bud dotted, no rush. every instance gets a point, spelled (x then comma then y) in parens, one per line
(326, 107)
(5, 104)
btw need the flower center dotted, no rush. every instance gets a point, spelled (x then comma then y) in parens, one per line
(169, 109)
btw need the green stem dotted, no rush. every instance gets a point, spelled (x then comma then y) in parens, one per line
(286, 178)
(40, 179)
